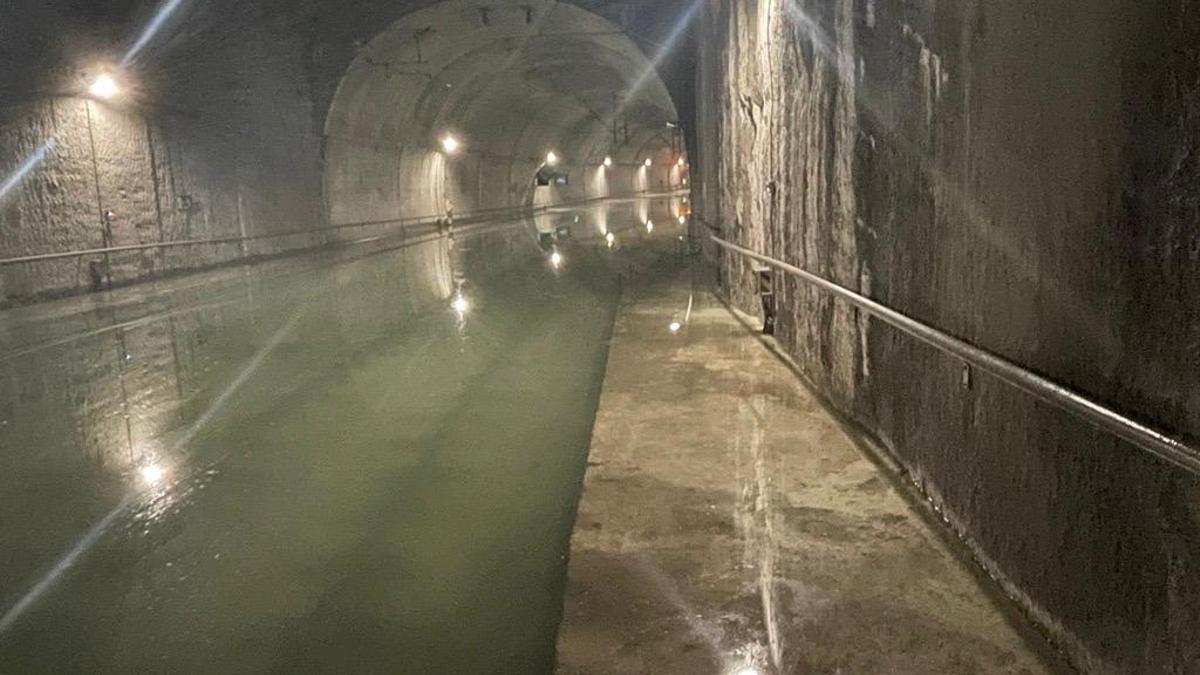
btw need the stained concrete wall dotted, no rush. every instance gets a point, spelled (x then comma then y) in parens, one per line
(1023, 175)
(285, 115)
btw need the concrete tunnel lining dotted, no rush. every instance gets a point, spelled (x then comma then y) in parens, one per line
(441, 71)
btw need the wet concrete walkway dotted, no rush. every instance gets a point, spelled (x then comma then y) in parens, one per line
(730, 524)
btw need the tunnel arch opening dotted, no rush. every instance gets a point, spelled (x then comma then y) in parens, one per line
(508, 85)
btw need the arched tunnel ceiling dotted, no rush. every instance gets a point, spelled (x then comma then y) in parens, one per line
(551, 79)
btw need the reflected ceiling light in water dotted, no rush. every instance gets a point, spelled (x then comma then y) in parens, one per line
(556, 259)
(552, 158)
(105, 87)
(608, 162)
(450, 144)
(152, 474)
(460, 304)
(683, 220)
(747, 670)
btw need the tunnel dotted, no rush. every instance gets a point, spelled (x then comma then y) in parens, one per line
(512, 87)
(599, 336)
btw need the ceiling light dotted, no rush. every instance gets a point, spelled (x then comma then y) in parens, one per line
(105, 87)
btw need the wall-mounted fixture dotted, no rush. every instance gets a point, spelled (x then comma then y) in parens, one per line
(104, 87)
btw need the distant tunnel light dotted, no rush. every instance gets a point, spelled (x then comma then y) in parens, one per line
(450, 144)
(608, 162)
(552, 158)
(649, 162)
(681, 162)
(105, 87)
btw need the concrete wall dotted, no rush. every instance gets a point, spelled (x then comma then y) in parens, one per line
(1023, 175)
(201, 144)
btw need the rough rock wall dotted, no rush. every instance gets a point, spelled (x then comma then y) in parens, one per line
(784, 152)
(1022, 175)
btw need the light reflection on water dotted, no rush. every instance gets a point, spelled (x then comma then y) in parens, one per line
(154, 416)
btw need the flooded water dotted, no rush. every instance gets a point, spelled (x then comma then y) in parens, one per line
(358, 460)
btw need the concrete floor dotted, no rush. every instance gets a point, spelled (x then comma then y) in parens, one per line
(729, 520)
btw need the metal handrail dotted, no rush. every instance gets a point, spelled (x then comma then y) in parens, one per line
(419, 220)
(1158, 443)
(393, 222)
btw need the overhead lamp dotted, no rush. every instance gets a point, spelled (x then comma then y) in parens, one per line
(104, 87)
(551, 158)
(608, 162)
(649, 226)
(649, 162)
(460, 304)
(556, 259)
(681, 162)
(450, 144)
